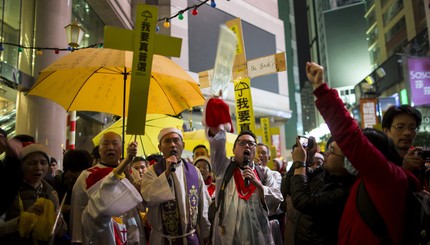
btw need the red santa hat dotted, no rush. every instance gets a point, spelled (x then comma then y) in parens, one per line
(217, 115)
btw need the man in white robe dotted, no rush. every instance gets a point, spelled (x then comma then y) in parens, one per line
(242, 216)
(94, 225)
(176, 195)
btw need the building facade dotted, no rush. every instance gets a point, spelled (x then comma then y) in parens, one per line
(32, 30)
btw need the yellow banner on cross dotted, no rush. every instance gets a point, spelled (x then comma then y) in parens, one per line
(144, 42)
(243, 99)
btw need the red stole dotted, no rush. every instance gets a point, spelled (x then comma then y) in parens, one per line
(243, 192)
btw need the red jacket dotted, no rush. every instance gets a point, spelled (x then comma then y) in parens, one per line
(385, 182)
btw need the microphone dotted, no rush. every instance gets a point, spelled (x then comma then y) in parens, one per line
(172, 166)
(246, 162)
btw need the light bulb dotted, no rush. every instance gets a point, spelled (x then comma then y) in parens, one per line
(195, 11)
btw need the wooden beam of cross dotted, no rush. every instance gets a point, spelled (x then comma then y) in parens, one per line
(266, 132)
(243, 70)
(144, 42)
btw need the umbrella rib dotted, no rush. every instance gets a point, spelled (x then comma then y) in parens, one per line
(143, 146)
(83, 84)
(119, 70)
(33, 87)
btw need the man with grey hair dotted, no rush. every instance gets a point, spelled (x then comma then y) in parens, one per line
(105, 196)
(176, 195)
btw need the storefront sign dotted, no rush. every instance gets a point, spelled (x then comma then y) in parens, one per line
(419, 78)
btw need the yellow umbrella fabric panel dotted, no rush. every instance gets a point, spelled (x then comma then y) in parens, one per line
(93, 80)
(148, 143)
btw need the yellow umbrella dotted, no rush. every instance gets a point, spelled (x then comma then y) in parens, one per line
(198, 137)
(148, 143)
(96, 79)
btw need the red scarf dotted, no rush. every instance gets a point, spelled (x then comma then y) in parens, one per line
(210, 185)
(244, 192)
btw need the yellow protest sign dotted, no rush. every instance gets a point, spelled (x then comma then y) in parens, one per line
(266, 132)
(244, 112)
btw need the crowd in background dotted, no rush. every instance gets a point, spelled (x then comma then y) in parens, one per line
(102, 198)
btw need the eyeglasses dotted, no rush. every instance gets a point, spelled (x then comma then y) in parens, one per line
(401, 127)
(245, 142)
(331, 152)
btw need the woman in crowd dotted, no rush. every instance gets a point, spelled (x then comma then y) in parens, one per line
(32, 215)
(204, 165)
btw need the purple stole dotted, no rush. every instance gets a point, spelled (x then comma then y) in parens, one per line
(170, 211)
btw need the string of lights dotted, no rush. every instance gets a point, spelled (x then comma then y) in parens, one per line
(166, 24)
(39, 49)
(180, 13)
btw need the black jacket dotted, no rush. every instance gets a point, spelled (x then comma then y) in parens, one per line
(320, 201)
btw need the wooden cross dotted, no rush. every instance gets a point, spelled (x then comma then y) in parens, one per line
(144, 42)
(243, 71)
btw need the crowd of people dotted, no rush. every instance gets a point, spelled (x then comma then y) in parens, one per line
(102, 198)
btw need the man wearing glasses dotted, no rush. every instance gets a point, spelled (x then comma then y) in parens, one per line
(400, 124)
(176, 195)
(243, 202)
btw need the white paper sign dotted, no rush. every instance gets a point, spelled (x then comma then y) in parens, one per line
(224, 60)
(262, 66)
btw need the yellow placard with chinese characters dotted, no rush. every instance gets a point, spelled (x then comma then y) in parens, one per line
(143, 48)
(265, 126)
(144, 42)
(244, 109)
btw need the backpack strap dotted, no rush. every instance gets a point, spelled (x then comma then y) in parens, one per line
(227, 176)
(370, 215)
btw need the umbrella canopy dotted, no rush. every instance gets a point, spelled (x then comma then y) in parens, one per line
(198, 137)
(148, 143)
(94, 79)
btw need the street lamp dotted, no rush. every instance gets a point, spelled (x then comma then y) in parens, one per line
(74, 33)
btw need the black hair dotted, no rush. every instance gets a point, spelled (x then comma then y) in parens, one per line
(329, 141)
(248, 132)
(394, 111)
(384, 144)
(138, 159)
(76, 160)
(52, 160)
(3, 132)
(200, 146)
(154, 158)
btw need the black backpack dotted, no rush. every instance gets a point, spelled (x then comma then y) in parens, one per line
(417, 225)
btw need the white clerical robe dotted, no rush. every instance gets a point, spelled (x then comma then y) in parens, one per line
(244, 222)
(80, 200)
(156, 190)
(109, 197)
